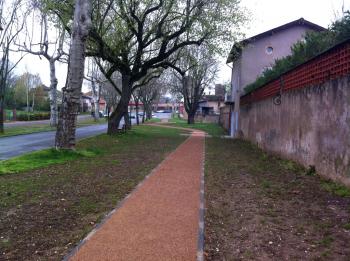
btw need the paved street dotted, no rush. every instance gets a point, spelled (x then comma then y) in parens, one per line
(29, 123)
(17, 145)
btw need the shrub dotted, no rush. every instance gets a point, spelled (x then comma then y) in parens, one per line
(33, 116)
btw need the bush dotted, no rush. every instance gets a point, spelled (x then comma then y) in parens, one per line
(33, 116)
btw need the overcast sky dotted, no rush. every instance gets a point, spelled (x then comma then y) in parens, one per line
(265, 15)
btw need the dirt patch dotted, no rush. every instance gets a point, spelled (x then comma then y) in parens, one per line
(46, 212)
(260, 207)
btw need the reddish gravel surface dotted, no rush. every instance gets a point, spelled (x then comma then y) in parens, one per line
(159, 221)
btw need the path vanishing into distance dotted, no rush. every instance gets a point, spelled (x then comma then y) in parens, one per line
(162, 219)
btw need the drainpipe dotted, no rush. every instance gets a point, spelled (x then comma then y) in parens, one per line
(235, 96)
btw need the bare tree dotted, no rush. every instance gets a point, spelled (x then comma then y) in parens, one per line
(93, 75)
(12, 23)
(108, 92)
(136, 99)
(51, 51)
(65, 135)
(136, 37)
(194, 71)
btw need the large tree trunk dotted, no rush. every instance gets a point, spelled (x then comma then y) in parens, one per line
(53, 95)
(127, 121)
(65, 135)
(137, 111)
(122, 107)
(96, 99)
(2, 112)
(148, 111)
(190, 119)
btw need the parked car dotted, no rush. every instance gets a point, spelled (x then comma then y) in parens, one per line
(132, 115)
(160, 111)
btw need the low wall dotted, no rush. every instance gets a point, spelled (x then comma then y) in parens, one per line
(207, 119)
(310, 126)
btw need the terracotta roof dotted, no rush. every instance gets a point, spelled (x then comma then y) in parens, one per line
(237, 47)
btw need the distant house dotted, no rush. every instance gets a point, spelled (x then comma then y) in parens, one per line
(254, 55)
(210, 104)
(87, 103)
(164, 103)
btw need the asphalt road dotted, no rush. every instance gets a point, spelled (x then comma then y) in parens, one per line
(21, 144)
(29, 123)
(17, 145)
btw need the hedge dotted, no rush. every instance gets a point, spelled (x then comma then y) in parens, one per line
(33, 116)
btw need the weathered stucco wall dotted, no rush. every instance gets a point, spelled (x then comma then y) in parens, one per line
(224, 120)
(311, 126)
(255, 59)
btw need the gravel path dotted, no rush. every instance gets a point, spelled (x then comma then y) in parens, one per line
(160, 219)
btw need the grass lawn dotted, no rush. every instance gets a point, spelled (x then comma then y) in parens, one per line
(33, 128)
(260, 207)
(155, 120)
(46, 211)
(211, 128)
(19, 130)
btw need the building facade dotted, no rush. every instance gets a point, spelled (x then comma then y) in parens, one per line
(252, 56)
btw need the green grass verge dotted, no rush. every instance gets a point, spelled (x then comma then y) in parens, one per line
(250, 193)
(20, 130)
(43, 158)
(211, 128)
(155, 120)
(336, 188)
(57, 205)
(85, 148)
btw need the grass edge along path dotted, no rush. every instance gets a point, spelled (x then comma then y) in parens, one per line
(259, 206)
(56, 206)
(160, 218)
(212, 129)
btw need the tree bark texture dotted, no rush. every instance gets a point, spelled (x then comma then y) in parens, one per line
(122, 107)
(53, 95)
(96, 99)
(137, 111)
(2, 112)
(190, 118)
(127, 121)
(65, 135)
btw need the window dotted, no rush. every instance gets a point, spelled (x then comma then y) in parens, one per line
(269, 50)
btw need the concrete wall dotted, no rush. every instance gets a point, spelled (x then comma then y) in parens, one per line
(207, 118)
(311, 126)
(224, 120)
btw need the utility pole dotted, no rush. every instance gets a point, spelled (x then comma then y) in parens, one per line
(235, 97)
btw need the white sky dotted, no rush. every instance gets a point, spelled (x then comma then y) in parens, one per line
(265, 15)
(268, 14)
